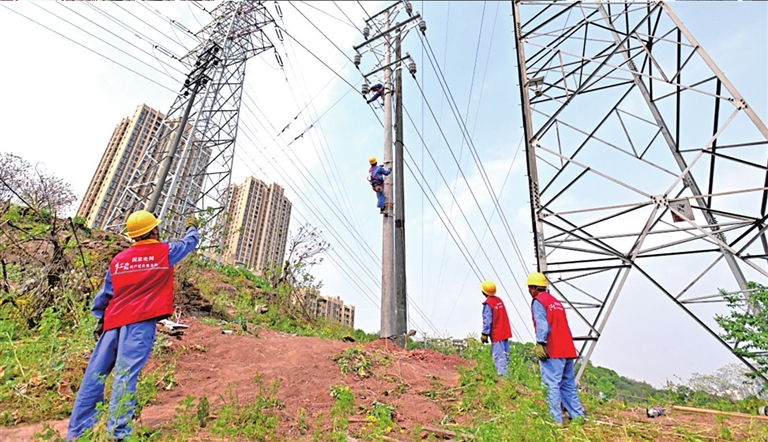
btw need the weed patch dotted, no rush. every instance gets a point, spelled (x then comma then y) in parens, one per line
(359, 361)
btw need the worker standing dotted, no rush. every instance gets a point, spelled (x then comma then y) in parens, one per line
(376, 176)
(496, 327)
(137, 292)
(554, 349)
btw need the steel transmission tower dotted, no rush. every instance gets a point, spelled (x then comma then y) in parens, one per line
(187, 167)
(643, 160)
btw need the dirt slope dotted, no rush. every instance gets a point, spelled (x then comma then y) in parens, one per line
(210, 361)
(303, 365)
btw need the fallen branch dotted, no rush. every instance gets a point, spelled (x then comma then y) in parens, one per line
(437, 431)
(726, 413)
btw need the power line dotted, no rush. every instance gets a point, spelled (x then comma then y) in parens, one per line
(473, 150)
(133, 45)
(467, 258)
(354, 280)
(316, 57)
(416, 307)
(323, 195)
(334, 178)
(102, 40)
(323, 12)
(89, 49)
(153, 27)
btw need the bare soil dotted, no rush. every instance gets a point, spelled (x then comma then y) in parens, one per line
(211, 361)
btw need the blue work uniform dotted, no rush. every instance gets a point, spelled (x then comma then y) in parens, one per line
(124, 349)
(378, 90)
(376, 176)
(556, 373)
(500, 349)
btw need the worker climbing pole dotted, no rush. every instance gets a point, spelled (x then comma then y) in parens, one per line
(376, 176)
(394, 315)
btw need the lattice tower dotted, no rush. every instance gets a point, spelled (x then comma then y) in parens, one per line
(195, 176)
(642, 158)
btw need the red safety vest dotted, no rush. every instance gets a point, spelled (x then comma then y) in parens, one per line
(374, 180)
(559, 341)
(500, 329)
(143, 285)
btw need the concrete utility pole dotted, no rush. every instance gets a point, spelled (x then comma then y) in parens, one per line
(401, 295)
(394, 301)
(196, 80)
(388, 304)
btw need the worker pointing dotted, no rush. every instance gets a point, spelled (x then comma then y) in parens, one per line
(554, 348)
(496, 327)
(137, 292)
(376, 176)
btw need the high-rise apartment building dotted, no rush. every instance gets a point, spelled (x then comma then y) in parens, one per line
(257, 225)
(329, 307)
(122, 157)
(129, 140)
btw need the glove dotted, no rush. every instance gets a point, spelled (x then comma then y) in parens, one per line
(191, 221)
(541, 351)
(484, 339)
(99, 330)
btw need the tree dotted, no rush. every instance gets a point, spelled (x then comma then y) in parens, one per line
(13, 171)
(747, 326)
(33, 187)
(303, 254)
(729, 381)
(294, 279)
(31, 234)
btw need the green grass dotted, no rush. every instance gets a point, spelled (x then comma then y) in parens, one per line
(41, 365)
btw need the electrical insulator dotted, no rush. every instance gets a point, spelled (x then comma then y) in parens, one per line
(412, 67)
(365, 89)
(423, 26)
(366, 32)
(357, 59)
(408, 8)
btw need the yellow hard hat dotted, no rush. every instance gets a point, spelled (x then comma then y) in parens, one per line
(488, 287)
(372, 161)
(140, 223)
(537, 279)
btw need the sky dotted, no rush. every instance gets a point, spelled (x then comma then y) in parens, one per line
(311, 132)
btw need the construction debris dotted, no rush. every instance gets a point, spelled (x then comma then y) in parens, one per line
(654, 412)
(170, 325)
